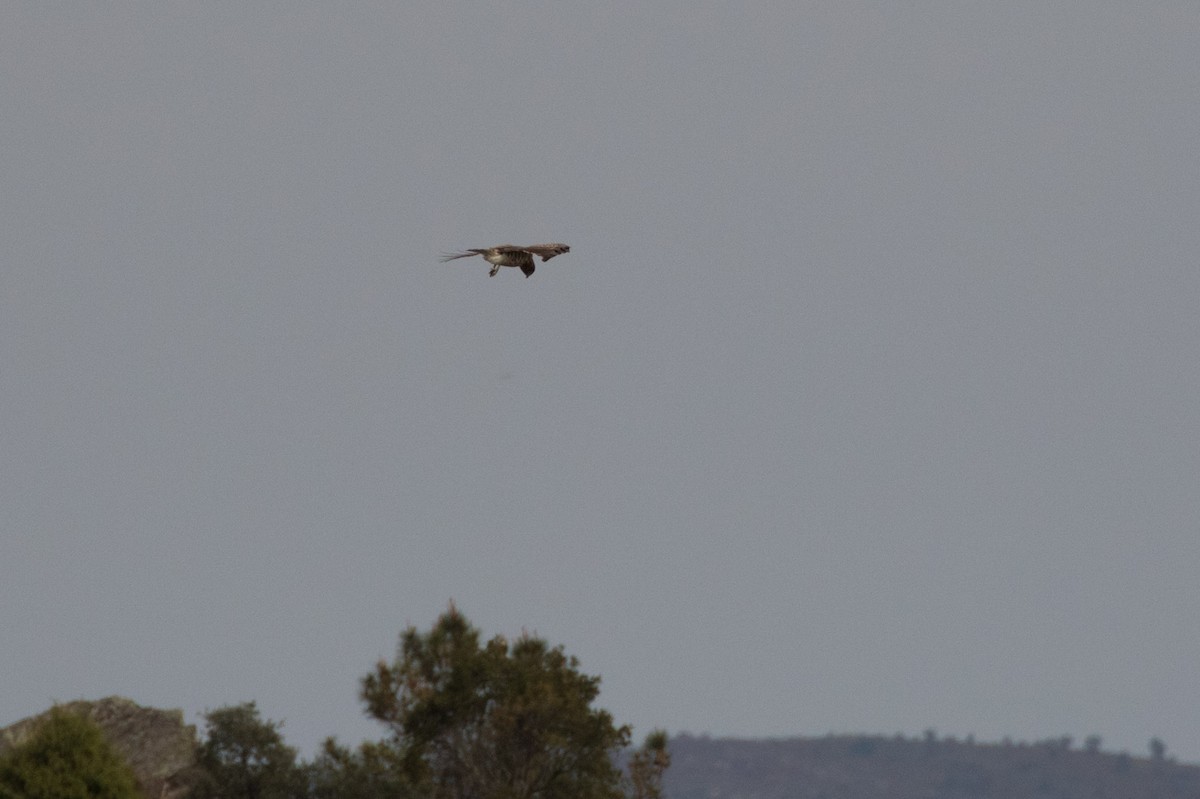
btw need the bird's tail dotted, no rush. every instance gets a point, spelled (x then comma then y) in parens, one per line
(450, 256)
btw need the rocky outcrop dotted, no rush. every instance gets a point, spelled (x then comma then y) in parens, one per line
(158, 746)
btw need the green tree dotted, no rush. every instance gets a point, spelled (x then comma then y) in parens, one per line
(67, 757)
(244, 756)
(369, 772)
(647, 765)
(494, 720)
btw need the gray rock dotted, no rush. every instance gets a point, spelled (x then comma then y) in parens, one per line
(158, 746)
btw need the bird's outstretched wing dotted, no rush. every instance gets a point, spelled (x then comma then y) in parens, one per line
(547, 251)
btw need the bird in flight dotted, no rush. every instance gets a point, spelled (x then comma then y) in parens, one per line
(512, 255)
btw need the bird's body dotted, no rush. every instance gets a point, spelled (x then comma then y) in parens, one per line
(512, 255)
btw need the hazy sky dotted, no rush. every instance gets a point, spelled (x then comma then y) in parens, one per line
(867, 400)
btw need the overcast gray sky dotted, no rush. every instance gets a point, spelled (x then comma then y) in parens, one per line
(867, 399)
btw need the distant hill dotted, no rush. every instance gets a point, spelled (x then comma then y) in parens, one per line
(864, 767)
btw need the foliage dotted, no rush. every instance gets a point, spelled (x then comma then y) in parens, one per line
(468, 720)
(367, 773)
(500, 719)
(647, 765)
(67, 757)
(245, 756)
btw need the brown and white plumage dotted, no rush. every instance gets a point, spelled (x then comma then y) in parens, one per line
(512, 255)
